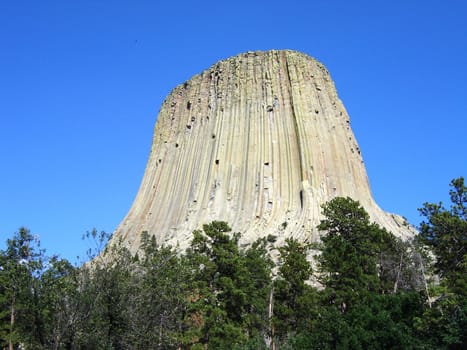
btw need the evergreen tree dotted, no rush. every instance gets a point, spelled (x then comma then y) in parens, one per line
(58, 297)
(367, 300)
(257, 285)
(226, 295)
(445, 232)
(349, 252)
(294, 299)
(20, 267)
(158, 297)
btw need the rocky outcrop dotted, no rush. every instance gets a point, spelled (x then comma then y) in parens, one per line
(260, 140)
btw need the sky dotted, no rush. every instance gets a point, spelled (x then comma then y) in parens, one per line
(81, 84)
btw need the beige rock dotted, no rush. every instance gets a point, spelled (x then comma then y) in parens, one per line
(260, 140)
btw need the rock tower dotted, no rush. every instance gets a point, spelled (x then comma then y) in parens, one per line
(260, 140)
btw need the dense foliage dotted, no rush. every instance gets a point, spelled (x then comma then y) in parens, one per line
(368, 290)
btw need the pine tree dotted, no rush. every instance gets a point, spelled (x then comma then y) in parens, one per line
(445, 232)
(226, 300)
(349, 252)
(294, 299)
(20, 267)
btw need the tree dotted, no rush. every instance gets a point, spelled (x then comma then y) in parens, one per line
(349, 252)
(257, 285)
(20, 267)
(104, 291)
(158, 297)
(294, 299)
(445, 232)
(402, 265)
(58, 303)
(230, 287)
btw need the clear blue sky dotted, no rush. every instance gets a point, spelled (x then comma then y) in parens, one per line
(81, 83)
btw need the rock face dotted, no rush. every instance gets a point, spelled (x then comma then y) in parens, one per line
(260, 140)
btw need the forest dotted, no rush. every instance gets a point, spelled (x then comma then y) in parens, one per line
(366, 289)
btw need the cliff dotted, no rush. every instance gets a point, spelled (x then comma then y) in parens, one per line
(259, 140)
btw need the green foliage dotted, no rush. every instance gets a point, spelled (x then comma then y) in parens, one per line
(158, 298)
(371, 280)
(294, 299)
(374, 293)
(444, 325)
(349, 252)
(380, 322)
(231, 289)
(58, 295)
(445, 232)
(20, 267)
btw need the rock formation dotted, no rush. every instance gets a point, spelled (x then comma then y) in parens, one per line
(260, 140)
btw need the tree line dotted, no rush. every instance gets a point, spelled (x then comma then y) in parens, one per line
(366, 290)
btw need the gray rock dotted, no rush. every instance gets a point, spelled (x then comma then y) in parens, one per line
(260, 140)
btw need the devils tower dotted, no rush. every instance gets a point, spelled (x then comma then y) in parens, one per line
(261, 141)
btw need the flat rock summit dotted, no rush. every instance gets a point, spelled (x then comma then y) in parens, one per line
(261, 141)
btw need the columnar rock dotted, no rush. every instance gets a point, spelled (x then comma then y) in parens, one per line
(260, 140)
